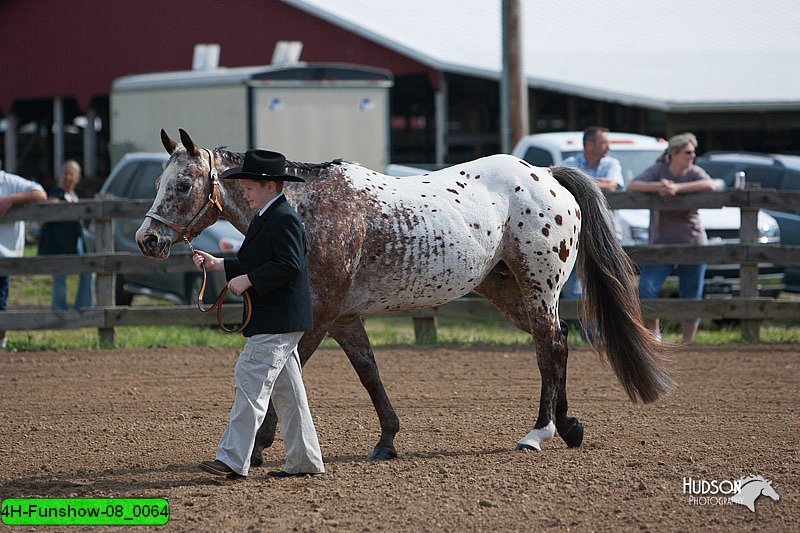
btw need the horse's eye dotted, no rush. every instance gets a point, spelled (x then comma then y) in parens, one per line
(184, 187)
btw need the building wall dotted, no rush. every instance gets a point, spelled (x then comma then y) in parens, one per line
(74, 50)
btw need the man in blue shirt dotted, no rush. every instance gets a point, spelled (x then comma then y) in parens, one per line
(595, 161)
(607, 173)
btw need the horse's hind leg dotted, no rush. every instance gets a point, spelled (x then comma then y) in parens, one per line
(552, 352)
(502, 289)
(569, 428)
(349, 332)
(266, 432)
(551, 357)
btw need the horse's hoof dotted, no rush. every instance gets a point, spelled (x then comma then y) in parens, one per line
(527, 448)
(382, 453)
(573, 436)
(256, 459)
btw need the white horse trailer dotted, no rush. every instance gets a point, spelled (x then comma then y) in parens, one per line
(309, 112)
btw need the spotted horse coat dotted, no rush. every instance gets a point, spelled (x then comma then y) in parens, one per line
(496, 226)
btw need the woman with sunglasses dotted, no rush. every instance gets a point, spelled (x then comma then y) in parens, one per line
(674, 173)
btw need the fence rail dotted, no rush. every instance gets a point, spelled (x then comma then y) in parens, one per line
(748, 307)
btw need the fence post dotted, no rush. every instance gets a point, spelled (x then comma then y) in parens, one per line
(425, 329)
(104, 243)
(748, 270)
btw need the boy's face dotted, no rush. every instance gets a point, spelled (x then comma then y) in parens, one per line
(258, 192)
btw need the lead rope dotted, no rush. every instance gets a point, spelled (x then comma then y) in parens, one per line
(248, 304)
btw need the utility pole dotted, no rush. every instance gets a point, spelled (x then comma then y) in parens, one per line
(513, 84)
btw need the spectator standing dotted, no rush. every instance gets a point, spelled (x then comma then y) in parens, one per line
(674, 173)
(14, 190)
(607, 173)
(595, 161)
(66, 238)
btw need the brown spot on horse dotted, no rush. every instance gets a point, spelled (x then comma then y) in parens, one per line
(563, 251)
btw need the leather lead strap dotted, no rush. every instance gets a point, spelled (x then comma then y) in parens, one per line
(248, 306)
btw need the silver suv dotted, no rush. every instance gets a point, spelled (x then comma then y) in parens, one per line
(769, 171)
(134, 177)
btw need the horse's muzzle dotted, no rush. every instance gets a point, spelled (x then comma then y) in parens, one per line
(152, 244)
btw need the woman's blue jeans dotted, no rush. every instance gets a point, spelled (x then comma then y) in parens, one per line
(82, 299)
(690, 281)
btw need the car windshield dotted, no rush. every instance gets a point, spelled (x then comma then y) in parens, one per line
(633, 161)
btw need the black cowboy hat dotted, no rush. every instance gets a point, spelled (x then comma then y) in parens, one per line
(261, 165)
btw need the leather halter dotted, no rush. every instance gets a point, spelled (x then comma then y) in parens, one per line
(213, 200)
(185, 233)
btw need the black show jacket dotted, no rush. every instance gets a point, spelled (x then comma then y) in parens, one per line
(273, 255)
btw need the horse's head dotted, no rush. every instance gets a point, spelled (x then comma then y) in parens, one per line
(751, 488)
(188, 197)
(768, 490)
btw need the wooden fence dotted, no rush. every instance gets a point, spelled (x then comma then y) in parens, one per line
(105, 262)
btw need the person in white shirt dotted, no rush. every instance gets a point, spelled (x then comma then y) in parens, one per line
(14, 190)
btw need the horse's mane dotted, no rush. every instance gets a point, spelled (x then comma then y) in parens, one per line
(317, 170)
(748, 479)
(236, 158)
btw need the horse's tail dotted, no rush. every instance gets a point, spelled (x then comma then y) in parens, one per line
(610, 298)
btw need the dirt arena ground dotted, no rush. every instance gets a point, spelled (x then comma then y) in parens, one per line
(136, 423)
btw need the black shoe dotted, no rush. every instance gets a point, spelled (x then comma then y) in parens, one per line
(234, 476)
(216, 467)
(283, 473)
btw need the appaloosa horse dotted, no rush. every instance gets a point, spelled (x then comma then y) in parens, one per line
(496, 226)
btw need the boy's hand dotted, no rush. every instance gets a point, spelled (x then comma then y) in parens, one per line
(201, 258)
(239, 284)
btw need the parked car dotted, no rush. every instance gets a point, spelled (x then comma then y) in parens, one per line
(134, 177)
(635, 153)
(770, 171)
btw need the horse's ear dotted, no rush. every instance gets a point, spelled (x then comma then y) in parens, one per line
(188, 143)
(169, 144)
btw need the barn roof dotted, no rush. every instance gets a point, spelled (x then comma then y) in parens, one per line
(680, 55)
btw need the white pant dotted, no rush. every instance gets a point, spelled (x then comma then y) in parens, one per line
(269, 366)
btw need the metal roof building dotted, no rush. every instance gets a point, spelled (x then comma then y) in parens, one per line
(726, 70)
(680, 56)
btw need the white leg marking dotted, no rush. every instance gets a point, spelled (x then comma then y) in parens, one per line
(535, 437)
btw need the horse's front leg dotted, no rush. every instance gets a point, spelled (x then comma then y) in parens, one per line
(349, 332)
(266, 432)
(551, 355)
(265, 436)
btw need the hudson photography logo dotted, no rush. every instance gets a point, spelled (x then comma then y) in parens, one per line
(744, 491)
